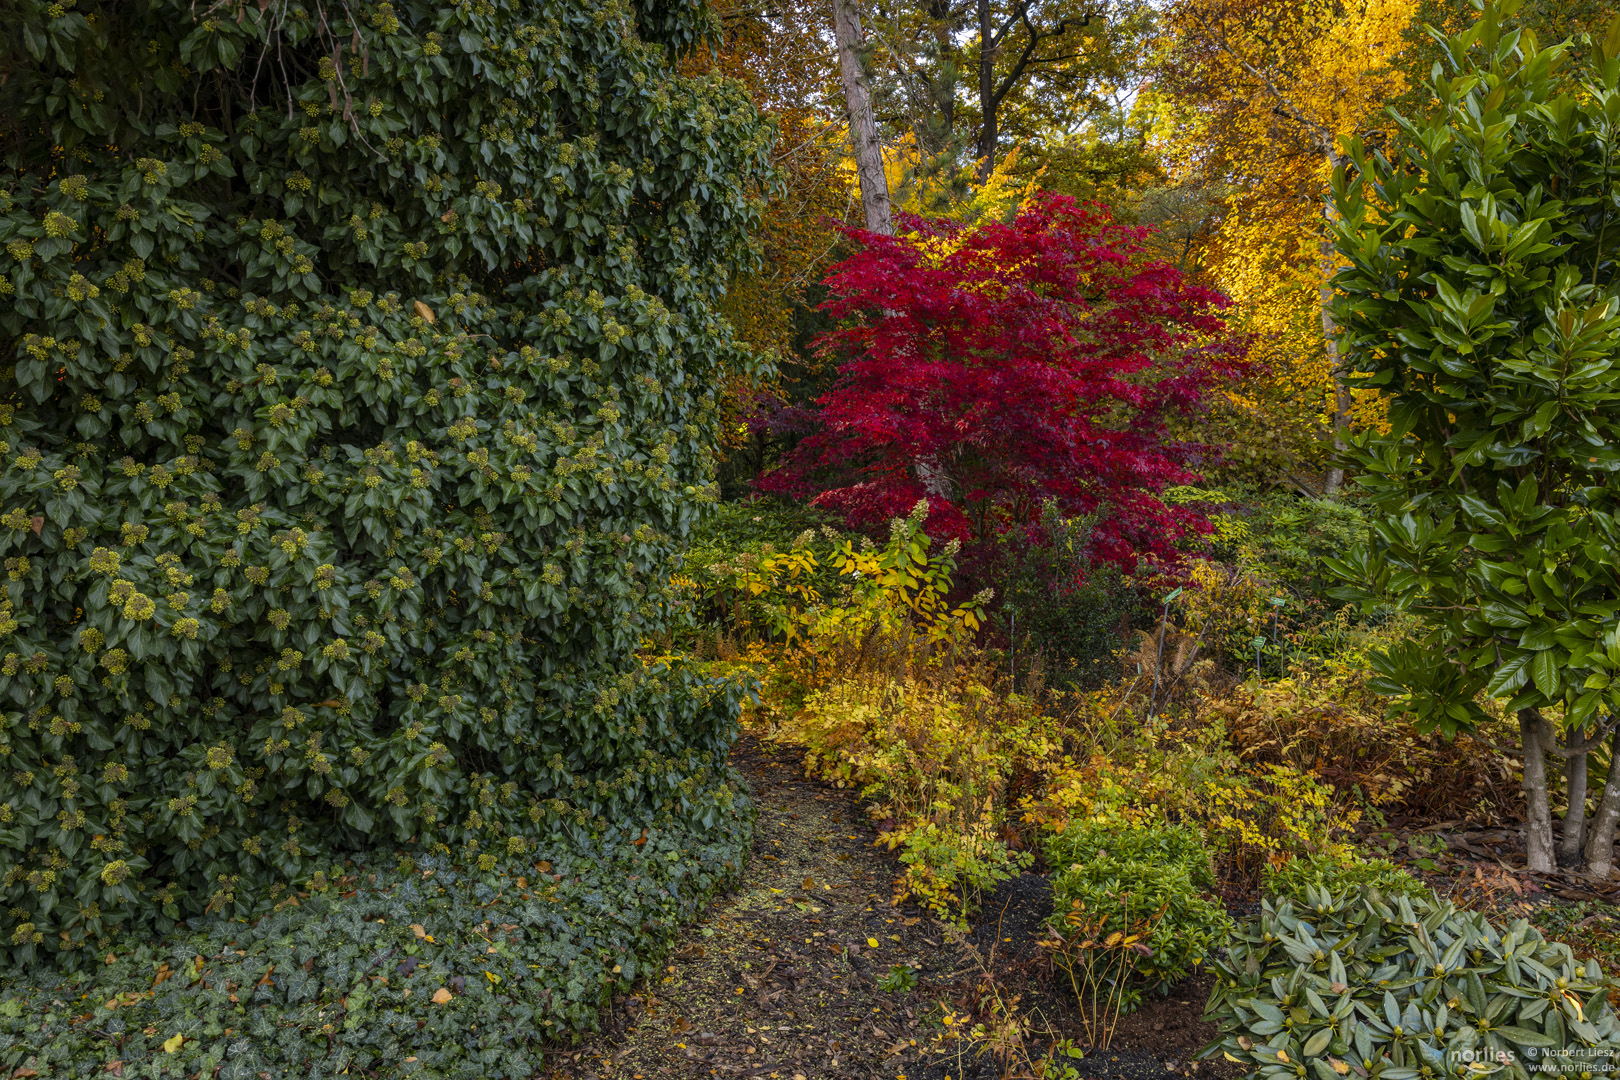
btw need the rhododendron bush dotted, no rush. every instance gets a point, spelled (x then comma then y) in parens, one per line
(990, 368)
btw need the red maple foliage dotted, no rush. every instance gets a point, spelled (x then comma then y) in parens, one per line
(993, 367)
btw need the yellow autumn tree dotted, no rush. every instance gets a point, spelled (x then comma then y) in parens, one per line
(1256, 96)
(779, 52)
(916, 189)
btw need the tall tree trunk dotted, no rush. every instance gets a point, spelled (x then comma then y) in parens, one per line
(863, 133)
(942, 85)
(1341, 393)
(1600, 836)
(1538, 831)
(989, 132)
(1573, 836)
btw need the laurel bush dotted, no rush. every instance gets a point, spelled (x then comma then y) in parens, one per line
(357, 395)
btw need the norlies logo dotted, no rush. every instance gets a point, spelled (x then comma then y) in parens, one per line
(1582, 1061)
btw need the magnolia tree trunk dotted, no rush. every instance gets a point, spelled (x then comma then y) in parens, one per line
(1573, 836)
(1538, 832)
(1583, 843)
(863, 133)
(1600, 834)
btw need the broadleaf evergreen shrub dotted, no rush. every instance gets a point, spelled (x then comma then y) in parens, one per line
(359, 398)
(1337, 875)
(1406, 988)
(1119, 877)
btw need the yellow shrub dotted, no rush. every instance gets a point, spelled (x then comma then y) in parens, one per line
(1227, 606)
(799, 621)
(933, 750)
(1254, 815)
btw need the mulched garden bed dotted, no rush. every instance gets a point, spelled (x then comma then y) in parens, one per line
(799, 974)
(786, 977)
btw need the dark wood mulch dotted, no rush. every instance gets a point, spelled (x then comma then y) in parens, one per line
(798, 974)
(1483, 866)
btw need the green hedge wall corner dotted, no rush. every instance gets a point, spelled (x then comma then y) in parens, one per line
(358, 385)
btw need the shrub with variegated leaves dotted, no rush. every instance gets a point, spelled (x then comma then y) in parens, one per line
(357, 395)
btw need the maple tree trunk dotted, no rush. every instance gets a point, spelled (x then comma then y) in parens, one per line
(863, 133)
(1538, 831)
(1600, 835)
(1573, 836)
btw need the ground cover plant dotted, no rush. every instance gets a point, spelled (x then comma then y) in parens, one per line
(403, 966)
(359, 403)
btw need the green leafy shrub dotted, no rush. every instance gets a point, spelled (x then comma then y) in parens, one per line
(948, 870)
(1116, 877)
(1287, 535)
(1590, 927)
(525, 955)
(1402, 989)
(1086, 842)
(1261, 573)
(736, 527)
(1056, 599)
(357, 400)
(1338, 875)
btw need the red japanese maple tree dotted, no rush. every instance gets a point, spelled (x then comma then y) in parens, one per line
(993, 367)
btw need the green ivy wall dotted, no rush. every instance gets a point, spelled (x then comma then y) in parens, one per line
(358, 388)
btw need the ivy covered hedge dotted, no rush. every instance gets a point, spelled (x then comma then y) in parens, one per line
(408, 969)
(357, 393)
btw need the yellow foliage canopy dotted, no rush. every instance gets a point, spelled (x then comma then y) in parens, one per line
(1258, 95)
(779, 56)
